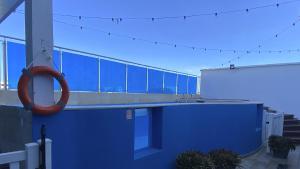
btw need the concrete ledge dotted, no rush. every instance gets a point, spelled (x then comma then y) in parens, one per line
(10, 97)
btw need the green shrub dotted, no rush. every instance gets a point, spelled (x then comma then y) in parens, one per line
(193, 160)
(281, 146)
(224, 159)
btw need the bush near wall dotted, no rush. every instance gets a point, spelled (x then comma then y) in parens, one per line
(193, 160)
(216, 159)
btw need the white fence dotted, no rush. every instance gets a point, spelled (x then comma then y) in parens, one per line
(30, 156)
(272, 125)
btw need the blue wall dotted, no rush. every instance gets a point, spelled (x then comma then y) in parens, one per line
(104, 138)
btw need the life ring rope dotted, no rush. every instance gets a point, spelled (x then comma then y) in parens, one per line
(23, 92)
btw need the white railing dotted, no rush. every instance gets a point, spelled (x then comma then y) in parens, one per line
(30, 155)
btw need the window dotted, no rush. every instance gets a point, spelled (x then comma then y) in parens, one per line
(142, 129)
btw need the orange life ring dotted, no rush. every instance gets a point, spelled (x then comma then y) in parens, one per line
(24, 96)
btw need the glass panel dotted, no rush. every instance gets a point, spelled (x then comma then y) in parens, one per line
(182, 84)
(155, 81)
(192, 85)
(170, 83)
(81, 72)
(113, 76)
(56, 66)
(16, 61)
(137, 79)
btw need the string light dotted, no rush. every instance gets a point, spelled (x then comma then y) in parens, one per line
(204, 49)
(175, 45)
(184, 17)
(271, 51)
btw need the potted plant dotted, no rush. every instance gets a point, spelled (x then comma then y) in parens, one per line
(281, 146)
(193, 160)
(224, 159)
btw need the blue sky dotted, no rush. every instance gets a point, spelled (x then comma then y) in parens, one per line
(241, 31)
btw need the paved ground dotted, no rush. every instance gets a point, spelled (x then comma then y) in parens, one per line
(264, 160)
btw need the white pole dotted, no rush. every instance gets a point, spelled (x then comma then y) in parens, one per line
(32, 156)
(39, 47)
(48, 154)
(15, 165)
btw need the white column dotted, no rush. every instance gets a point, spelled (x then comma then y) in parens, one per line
(32, 156)
(15, 165)
(39, 47)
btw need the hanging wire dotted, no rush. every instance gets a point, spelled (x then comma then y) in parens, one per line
(176, 45)
(267, 40)
(202, 49)
(184, 17)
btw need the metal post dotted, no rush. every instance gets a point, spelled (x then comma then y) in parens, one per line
(43, 148)
(61, 63)
(187, 85)
(99, 80)
(176, 83)
(126, 80)
(39, 47)
(61, 60)
(147, 85)
(163, 82)
(5, 65)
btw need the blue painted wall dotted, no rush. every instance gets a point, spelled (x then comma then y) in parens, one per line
(104, 138)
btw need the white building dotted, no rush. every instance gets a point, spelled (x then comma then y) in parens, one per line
(276, 85)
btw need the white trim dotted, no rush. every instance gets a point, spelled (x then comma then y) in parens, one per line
(254, 66)
(12, 157)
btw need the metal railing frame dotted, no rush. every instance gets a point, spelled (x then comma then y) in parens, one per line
(99, 57)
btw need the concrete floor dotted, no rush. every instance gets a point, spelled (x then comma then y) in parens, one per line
(264, 160)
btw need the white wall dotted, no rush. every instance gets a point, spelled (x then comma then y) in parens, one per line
(277, 86)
